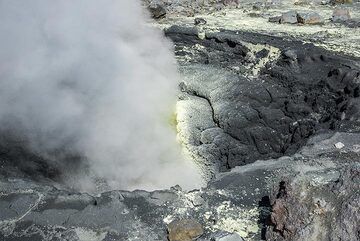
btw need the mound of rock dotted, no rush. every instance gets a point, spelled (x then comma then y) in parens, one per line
(304, 91)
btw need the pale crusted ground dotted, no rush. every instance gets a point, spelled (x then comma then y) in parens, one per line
(332, 36)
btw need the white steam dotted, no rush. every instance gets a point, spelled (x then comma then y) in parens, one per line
(90, 77)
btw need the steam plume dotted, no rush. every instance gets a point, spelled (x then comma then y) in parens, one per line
(90, 77)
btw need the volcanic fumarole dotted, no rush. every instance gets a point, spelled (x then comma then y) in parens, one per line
(90, 78)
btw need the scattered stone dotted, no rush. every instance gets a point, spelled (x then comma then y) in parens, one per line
(290, 54)
(275, 19)
(273, 2)
(356, 148)
(157, 11)
(225, 236)
(334, 2)
(199, 21)
(352, 23)
(254, 15)
(181, 10)
(176, 188)
(309, 18)
(201, 34)
(257, 6)
(340, 15)
(339, 145)
(289, 17)
(325, 2)
(184, 230)
(191, 31)
(250, 57)
(219, 7)
(198, 201)
(262, 53)
(230, 2)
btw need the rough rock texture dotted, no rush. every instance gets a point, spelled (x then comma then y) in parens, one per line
(199, 21)
(276, 104)
(293, 17)
(320, 205)
(341, 2)
(157, 11)
(340, 15)
(281, 107)
(189, 8)
(270, 114)
(289, 17)
(224, 236)
(309, 18)
(321, 187)
(184, 230)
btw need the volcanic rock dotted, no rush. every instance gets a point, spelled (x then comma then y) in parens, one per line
(257, 6)
(320, 193)
(275, 19)
(309, 18)
(225, 236)
(248, 120)
(340, 15)
(184, 230)
(339, 145)
(274, 133)
(291, 54)
(199, 21)
(289, 17)
(341, 1)
(230, 2)
(157, 11)
(301, 215)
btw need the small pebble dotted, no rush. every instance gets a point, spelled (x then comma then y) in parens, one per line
(339, 145)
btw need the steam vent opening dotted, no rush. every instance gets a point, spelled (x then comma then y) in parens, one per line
(86, 100)
(179, 120)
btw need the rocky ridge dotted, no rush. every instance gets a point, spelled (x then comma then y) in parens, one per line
(319, 183)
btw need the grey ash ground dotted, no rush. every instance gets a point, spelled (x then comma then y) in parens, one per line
(271, 120)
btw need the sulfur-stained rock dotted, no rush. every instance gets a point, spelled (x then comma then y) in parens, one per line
(184, 230)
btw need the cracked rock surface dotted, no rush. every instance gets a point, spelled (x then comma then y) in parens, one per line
(272, 121)
(245, 117)
(320, 184)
